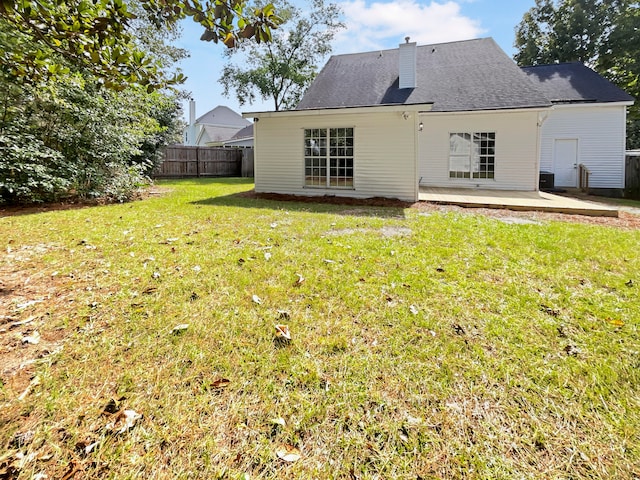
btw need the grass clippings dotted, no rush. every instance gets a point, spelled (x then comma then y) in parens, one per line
(423, 341)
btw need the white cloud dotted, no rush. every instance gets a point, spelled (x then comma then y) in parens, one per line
(381, 25)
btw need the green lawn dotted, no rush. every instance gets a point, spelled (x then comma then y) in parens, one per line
(425, 344)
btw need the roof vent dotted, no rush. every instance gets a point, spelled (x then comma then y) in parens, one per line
(407, 68)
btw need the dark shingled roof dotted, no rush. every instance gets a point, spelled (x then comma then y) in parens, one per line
(574, 83)
(456, 76)
(246, 132)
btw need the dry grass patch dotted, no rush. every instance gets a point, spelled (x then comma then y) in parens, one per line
(447, 345)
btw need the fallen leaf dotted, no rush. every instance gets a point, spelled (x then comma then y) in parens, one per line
(300, 280)
(123, 421)
(572, 350)
(35, 382)
(288, 453)
(22, 306)
(179, 328)
(615, 322)
(32, 339)
(21, 439)
(549, 311)
(71, 471)
(18, 324)
(283, 332)
(87, 446)
(458, 329)
(113, 406)
(257, 299)
(221, 383)
(413, 309)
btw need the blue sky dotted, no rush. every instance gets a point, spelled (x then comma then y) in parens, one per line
(371, 25)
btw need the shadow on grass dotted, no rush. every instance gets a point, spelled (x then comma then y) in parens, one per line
(371, 207)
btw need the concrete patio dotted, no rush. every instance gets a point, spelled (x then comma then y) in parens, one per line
(515, 200)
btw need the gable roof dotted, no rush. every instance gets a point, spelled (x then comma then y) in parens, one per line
(246, 132)
(455, 76)
(223, 116)
(574, 83)
(213, 133)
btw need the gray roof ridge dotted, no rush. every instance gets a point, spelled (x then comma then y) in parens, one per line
(426, 45)
(573, 62)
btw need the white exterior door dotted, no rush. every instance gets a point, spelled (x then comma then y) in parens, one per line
(565, 162)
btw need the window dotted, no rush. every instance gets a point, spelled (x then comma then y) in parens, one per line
(472, 155)
(328, 157)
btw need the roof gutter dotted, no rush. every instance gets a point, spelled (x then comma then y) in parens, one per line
(422, 107)
(593, 104)
(491, 112)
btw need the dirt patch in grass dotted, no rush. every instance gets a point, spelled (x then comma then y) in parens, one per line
(142, 194)
(27, 300)
(365, 202)
(625, 220)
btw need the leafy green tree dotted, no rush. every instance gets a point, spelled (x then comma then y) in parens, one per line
(96, 36)
(600, 33)
(282, 69)
(65, 135)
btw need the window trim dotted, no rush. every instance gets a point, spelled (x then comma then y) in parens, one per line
(329, 162)
(477, 158)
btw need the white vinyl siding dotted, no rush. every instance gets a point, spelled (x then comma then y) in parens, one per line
(600, 132)
(515, 150)
(383, 154)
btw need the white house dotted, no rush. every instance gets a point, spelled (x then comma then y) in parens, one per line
(214, 127)
(242, 139)
(459, 115)
(587, 125)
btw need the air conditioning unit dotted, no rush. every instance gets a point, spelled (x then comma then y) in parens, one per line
(547, 180)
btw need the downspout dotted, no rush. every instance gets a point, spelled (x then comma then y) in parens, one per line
(416, 156)
(624, 150)
(542, 117)
(191, 140)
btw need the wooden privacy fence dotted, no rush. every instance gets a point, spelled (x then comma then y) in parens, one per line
(632, 174)
(184, 161)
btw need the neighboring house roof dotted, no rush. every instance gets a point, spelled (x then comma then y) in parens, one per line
(455, 76)
(224, 116)
(213, 133)
(242, 138)
(574, 83)
(246, 132)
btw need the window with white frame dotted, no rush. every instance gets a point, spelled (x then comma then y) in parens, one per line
(328, 157)
(472, 155)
